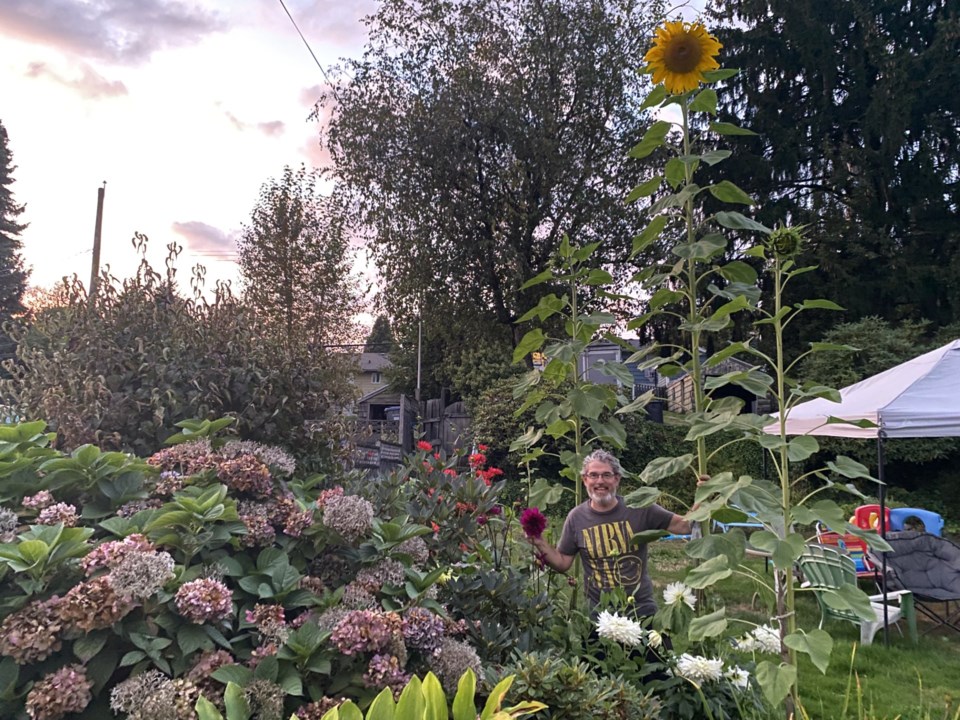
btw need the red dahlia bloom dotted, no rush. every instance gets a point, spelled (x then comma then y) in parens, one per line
(533, 522)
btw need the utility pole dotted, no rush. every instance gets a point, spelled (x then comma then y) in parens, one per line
(95, 265)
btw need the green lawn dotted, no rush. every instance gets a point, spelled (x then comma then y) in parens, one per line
(882, 682)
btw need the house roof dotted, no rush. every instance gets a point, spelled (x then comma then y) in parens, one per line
(373, 362)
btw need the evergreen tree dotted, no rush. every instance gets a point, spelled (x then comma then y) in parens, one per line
(858, 116)
(380, 339)
(13, 275)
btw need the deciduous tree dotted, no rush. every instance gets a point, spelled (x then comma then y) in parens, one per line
(295, 262)
(473, 134)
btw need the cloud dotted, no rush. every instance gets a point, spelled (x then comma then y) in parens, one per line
(90, 84)
(270, 128)
(121, 31)
(206, 239)
(333, 22)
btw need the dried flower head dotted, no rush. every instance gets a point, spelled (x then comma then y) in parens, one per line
(63, 691)
(365, 631)
(385, 572)
(93, 605)
(141, 574)
(32, 633)
(61, 513)
(111, 553)
(317, 709)
(148, 689)
(451, 660)
(386, 671)
(208, 663)
(422, 630)
(246, 474)
(350, 516)
(8, 525)
(415, 548)
(204, 600)
(265, 699)
(278, 460)
(326, 495)
(134, 506)
(187, 458)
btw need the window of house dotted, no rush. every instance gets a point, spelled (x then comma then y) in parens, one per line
(375, 378)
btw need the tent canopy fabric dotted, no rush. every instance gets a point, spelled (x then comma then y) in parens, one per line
(918, 398)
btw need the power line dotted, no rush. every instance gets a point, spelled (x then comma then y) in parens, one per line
(322, 71)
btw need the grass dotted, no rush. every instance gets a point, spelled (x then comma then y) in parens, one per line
(875, 682)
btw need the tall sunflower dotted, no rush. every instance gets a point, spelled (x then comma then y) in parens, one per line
(680, 55)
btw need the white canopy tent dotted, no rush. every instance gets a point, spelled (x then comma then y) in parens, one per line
(918, 398)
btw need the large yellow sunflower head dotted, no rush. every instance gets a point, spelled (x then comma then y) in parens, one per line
(680, 55)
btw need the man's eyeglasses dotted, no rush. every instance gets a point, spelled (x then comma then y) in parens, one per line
(600, 475)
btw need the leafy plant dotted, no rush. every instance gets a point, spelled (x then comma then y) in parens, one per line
(425, 699)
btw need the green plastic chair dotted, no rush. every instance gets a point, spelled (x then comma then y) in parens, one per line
(825, 568)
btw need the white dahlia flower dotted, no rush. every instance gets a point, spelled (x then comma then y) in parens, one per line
(677, 592)
(612, 626)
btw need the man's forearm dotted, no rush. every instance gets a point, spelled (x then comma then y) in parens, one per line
(551, 556)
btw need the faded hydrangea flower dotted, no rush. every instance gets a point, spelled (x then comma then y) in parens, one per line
(208, 663)
(332, 569)
(317, 709)
(297, 522)
(63, 691)
(32, 633)
(39, 501)
(169, 483)
(452, 659)
(386, 671)
(327, 495)
(140, 691)
(187, 458)
(365, 631)
(246, 474)
(134, 506)
(141, 574)
(422, 630)
(277, 459)
(270, 622)
(358, 597)
(313, 584)
(8, 525)
(266, 699)
(331, 617)
(111, 553)
(57, 514)
(416, 548)
(350, 516)
(385, 572)
(93, 605)
(204, 600)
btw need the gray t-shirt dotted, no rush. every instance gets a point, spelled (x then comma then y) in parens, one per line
(603, 541)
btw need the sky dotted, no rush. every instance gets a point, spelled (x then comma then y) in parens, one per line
(184, 109)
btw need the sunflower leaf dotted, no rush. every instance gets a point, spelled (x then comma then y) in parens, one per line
(725, 128)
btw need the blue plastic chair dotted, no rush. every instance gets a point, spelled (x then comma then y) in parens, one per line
(932, 522)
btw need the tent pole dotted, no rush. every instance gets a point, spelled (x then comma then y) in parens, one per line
(883, 534)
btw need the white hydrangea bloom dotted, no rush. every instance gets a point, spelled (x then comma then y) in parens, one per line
(738, 677)
(677, 592)
(700, 669)
(613, 626)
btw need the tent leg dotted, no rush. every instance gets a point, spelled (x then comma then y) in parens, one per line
(883, 533)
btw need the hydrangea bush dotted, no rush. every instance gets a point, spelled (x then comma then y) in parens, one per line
(133, 587)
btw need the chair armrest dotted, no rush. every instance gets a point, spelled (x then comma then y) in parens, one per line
(897, 595)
